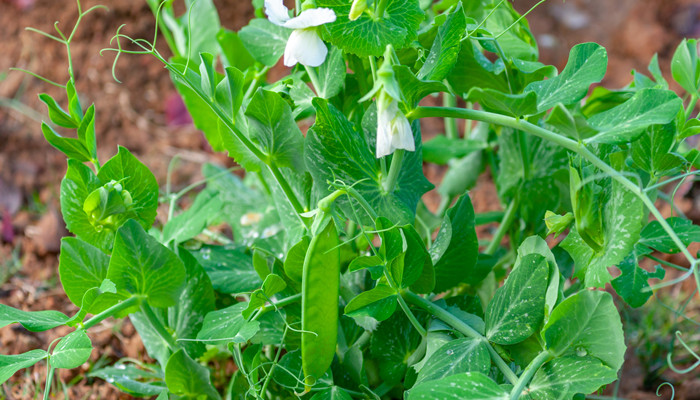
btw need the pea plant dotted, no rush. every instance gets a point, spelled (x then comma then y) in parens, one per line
(322, 273)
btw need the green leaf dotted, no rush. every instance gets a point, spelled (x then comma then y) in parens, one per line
(514, 105)
(685, 66)
(233, 52)
(272, 127)
(81, 268)
(187, 378)
(264, 40)
(690, 128)
(203, 212)
(76, 185)
(196, 300)
(569, 123)
(294, 263)
(517, 308)
(587, 65)
(441, 149)
(414, 89)
(207, 74)
(587, 323)
(336, 151)
(331, 74)
(142, 266)
(195, 38)
(34, 321)
(130, 379)
(632, 284)
(537, 245)
(86, 132)
(57, 115)
(376, 304)
(531, 170)
(473, 69)
(95, 300)
(72, 351)
(13, 363)
(391, 344)
(332, 393)
(369, 36)
(654, 236)
(653, 151)
(446, 46)
(72, 148)
(415, 258)
(456, 357)
(567, 376)
(627, 122)
(229, 268)
(457, 262)
(622, 216)
(470, 385)
(227, 325)
(138, 180)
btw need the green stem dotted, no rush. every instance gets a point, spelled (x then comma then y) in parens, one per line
(278, 304)
(463, 328)
(158, 326)
(524, 155)
(528, 374)
(256, 80)
(49, 380)
(506, 222)
(130, 302)
(381, 8)
(412, 318)
(394, 169)
(666, 263)
(313, 77)
(571, 145)
(451, 130)
(284, 185)
(691, 105)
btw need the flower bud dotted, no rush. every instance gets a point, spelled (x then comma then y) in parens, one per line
(357, 8)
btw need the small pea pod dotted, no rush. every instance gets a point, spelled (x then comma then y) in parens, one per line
(319, 303)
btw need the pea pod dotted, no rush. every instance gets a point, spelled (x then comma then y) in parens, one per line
(319, 303)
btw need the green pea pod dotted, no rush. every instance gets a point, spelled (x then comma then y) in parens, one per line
(319, 303)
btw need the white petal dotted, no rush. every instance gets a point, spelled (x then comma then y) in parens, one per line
(276, 12)
(383, 141)
(311, 17)
(402, 137)
(306, 48)
(384, 125)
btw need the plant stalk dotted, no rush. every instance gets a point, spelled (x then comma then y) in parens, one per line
(529, 372)
(49, 380)
(506, 222)
(463, 328)
(569, 144)
(451, 130)
(130, 302)
(158, 326)
(394, 169)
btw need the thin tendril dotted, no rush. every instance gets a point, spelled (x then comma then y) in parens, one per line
(673, 390)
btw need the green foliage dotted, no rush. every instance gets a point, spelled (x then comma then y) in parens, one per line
(325, 272)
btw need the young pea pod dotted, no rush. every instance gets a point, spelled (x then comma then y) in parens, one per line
(319, 303)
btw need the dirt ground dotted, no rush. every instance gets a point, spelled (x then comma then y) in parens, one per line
(141, 113)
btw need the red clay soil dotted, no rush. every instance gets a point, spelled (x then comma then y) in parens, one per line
(135, 113)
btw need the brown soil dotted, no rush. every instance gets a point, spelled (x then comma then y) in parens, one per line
(133, 114)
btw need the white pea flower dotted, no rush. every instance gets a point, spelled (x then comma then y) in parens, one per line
(393, 129)
(304, 45)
